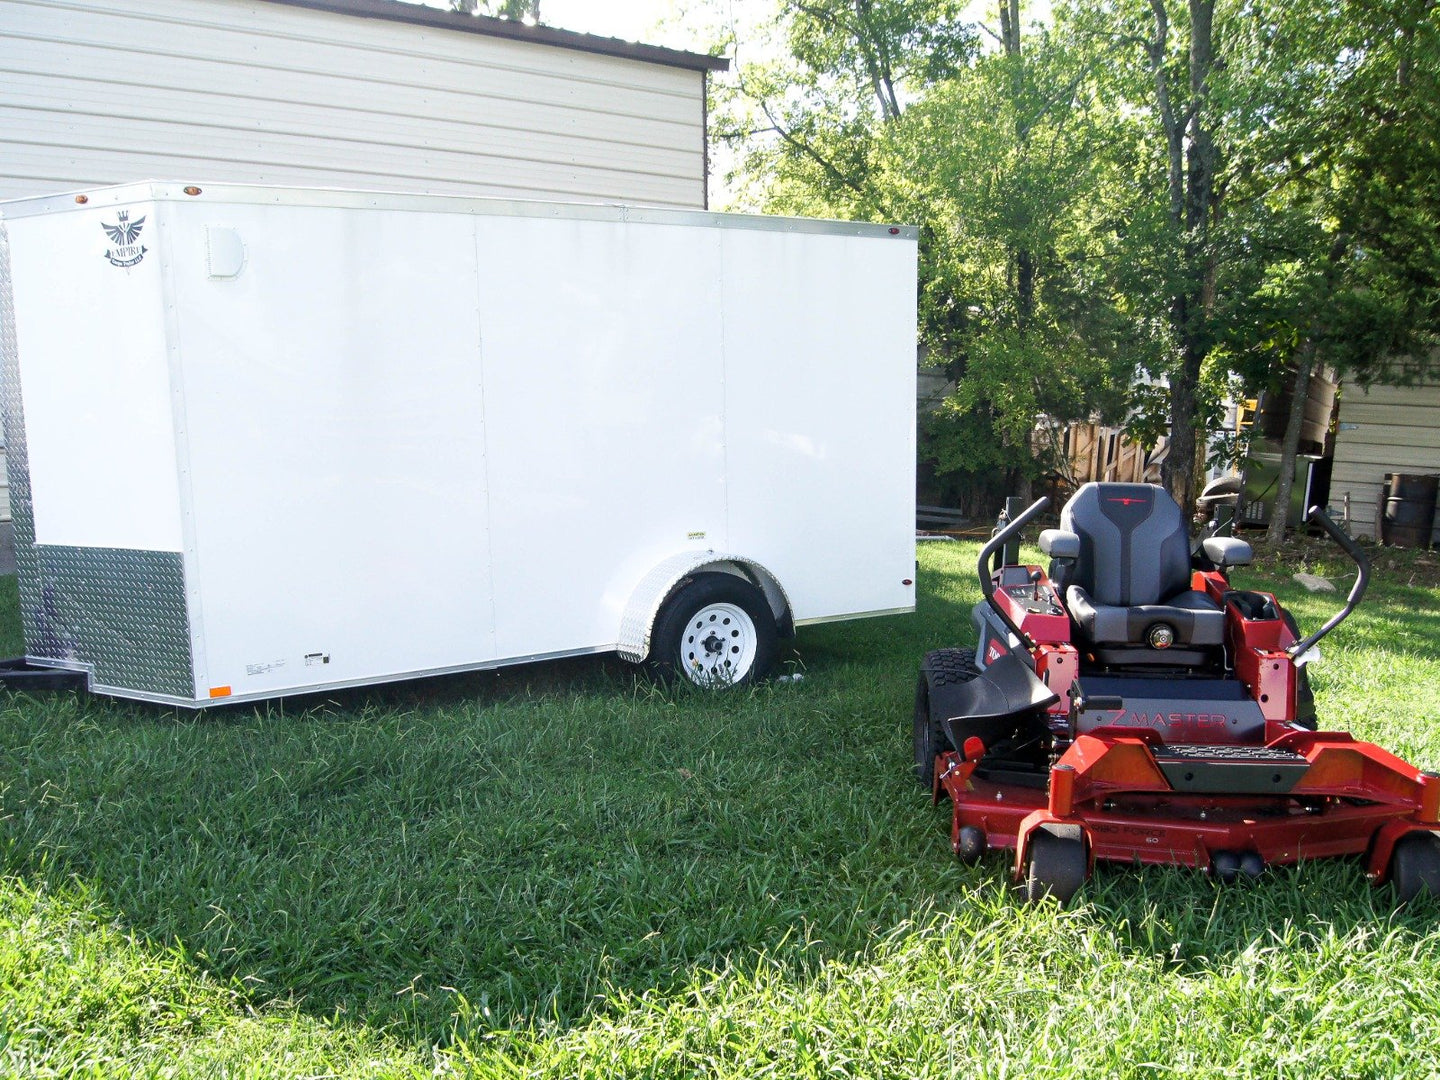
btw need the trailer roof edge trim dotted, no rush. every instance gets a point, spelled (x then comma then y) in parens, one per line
(176, 191)
(410, 12)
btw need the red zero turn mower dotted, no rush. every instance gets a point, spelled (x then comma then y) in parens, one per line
(1131, 705)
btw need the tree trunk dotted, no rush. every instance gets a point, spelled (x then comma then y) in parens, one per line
(1290, 445)
(1177, 472)
(1024, 258)
(1192, 204)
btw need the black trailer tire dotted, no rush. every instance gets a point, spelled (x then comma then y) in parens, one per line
(715, 631)
(1055, 867)
(1415, 866)
(942, 667)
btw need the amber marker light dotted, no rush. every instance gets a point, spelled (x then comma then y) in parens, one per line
(82, 199)
(192, 190)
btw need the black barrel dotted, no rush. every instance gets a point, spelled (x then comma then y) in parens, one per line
(1409, 509)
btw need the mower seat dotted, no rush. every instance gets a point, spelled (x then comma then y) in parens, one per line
(1130, 584)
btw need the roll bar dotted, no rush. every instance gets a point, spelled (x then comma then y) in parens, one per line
(987, 553)
(1362, 579)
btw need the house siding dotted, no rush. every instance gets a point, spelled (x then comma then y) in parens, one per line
(1384, 429)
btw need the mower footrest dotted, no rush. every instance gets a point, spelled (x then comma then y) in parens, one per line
(1230, 770)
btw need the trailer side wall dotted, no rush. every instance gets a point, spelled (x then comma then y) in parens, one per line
(387, 436)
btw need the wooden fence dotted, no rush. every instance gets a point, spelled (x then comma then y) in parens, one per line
(1096, 452)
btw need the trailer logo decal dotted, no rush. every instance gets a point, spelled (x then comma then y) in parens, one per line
(124, 235)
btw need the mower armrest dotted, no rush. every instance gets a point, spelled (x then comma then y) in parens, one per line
(1059, 544)
(1226, 551)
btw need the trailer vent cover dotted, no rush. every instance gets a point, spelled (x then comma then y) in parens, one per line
(224, 252)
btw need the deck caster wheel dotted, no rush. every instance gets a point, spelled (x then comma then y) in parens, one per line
(1056, 867)
(1251, 864)
(1225, 866)
(1415, 866)
(971, 844)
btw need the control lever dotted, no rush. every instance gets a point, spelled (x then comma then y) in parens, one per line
(1035, 576)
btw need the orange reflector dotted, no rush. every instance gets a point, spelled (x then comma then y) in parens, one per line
(192, 190)
(219, 691)
(82, 199)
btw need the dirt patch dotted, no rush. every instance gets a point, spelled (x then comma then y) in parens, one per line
(1312, 555)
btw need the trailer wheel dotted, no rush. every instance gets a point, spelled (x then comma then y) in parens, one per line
(1055, 867)
(1415, 866)
(716, 630)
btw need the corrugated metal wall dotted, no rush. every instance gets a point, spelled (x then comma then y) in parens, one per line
(1386, 429)
(96, 93)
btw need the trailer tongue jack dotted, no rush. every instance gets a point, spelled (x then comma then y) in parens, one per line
(1129, 704)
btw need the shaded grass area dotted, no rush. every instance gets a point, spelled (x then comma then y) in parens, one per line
(559, 870)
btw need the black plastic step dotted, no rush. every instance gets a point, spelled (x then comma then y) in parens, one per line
(1230, 770)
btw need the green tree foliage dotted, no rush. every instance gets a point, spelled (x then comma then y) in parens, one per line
(1004, 168)
(1346, 186)
(528, 10)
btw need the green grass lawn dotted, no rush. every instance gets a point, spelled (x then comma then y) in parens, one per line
(559, 870)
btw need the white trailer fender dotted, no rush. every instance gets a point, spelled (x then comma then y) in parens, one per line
(656, 586)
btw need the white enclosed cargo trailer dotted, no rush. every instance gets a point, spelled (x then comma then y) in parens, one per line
(266, 441)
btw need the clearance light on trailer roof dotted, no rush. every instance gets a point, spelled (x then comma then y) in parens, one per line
(894, 231)
(192, 190)
(82, 199)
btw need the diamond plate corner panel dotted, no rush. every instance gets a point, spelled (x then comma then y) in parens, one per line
(121, 612)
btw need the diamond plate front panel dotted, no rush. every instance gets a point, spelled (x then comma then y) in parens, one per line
(120, 612)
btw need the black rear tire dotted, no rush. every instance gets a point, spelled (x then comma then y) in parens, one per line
(1055, 867)
(679, 651)
(926, 736)
(942, 667)
(1415, 866)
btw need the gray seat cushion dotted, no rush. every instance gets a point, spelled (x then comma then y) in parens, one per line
(1193, 616)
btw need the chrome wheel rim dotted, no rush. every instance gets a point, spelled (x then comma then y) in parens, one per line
(719, 645)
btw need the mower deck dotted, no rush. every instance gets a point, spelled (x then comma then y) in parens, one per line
(1339, 797)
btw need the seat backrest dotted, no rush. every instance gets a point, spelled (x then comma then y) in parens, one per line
(1134, 545)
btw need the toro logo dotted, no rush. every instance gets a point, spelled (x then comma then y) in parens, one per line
(1126, 500)
(124, 235)
(994, 651)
